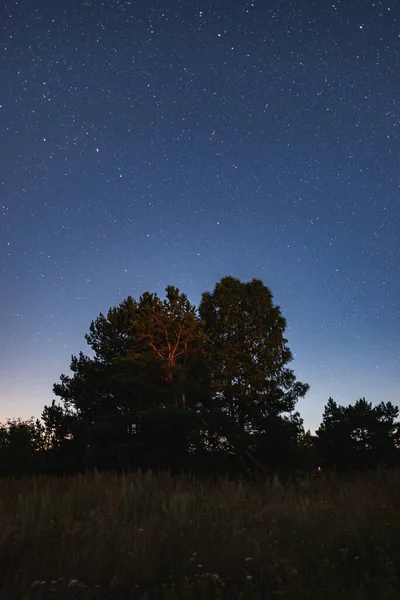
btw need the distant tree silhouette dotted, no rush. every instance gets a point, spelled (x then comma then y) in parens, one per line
(359, 435)
(22, 447)
(62, 431)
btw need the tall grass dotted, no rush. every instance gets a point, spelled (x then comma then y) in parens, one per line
(158, 536)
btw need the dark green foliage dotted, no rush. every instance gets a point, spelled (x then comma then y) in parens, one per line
(168, 386)
(250, 380)
(121, 407)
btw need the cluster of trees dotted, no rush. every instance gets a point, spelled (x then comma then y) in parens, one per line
(207, 390)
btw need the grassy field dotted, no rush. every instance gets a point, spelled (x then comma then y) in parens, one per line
(163, 537)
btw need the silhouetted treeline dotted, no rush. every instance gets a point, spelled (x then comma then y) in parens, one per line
(205, 390)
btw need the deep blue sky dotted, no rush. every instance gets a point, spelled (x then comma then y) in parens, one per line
(157, 142)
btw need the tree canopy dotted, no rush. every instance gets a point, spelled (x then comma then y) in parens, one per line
(251, 383)
(170, 385)
(359, 434)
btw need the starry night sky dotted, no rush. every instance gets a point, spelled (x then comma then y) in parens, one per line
(157, 142)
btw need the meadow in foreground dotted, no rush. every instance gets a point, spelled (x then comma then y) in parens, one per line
(158, 536)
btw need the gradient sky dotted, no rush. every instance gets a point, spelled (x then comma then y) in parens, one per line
(157, 142)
